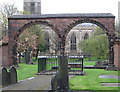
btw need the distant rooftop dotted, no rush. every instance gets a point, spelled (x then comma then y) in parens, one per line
(61, 15)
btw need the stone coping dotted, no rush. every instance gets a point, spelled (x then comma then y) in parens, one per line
(57, 56)
(68, 15)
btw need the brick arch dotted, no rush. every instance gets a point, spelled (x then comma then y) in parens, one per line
(61, 24)
(31, 23)
(105, 28)
(21, 29)
(86, 20)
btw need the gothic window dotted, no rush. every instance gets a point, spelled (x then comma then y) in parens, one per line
(86, 36)
(47, 41)
(32, 8)
(73, 42)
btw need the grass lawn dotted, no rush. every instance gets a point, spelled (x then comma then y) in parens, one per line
(89, 63)
(93, 59)
(26, 71)
(91, 81)
(88, 82)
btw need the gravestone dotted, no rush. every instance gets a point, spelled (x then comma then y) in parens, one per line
(13, 75)
(41, 64)
(5, 77)
(63, 73)
(55, 81)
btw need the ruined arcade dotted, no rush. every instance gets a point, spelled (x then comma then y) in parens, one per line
(61, 24)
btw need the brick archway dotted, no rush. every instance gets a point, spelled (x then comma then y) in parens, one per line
(21, 29)
(31, 23)
(87, 20)
(109, 30)
(61, 24)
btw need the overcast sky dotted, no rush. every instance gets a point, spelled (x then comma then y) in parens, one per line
(73, 6)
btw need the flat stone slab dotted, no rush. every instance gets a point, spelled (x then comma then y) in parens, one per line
(109, 76)
(110, 84)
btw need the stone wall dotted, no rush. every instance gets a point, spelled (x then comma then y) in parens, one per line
(117, 55)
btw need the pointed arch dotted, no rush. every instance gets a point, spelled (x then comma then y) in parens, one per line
(73, 41)
(47, 40)
(86, 36)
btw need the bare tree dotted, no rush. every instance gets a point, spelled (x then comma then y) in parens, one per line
(54, 44)
(6, 10)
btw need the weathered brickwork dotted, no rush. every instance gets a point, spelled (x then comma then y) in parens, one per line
(117, 55)
(61, 26)
(4, 56)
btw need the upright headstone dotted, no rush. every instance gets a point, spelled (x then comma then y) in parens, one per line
(41, 64)
(55, 81)
(63, 73)
(5, 77)
(13, 75)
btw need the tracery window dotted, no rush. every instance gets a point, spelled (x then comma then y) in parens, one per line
(86, 36)
(47, 41)
(73, 42)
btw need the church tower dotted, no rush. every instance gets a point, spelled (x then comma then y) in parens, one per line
(32, 6)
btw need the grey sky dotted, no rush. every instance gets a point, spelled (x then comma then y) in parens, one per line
(73, 6)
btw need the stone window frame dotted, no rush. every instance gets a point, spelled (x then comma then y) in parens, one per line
(73, 42)
(86, 36)
(47, 39)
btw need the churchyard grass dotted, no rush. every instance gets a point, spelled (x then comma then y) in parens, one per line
(91, 81)
(94, 59)
(89, 63)
(26, 71)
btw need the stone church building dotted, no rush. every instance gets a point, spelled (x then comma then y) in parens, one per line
(78, 33)
(32, 6)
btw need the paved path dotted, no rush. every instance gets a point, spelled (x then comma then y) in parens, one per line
(41, 82)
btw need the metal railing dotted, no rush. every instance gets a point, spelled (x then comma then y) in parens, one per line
(49, 65)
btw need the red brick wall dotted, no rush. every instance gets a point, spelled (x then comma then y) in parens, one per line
(117, 55)
(4, 59)
(61, 26)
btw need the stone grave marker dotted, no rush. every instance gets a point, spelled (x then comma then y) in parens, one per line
(5, 77)
(13, 75)
(41, 63)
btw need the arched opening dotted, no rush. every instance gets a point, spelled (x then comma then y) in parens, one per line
(47, 40)
(91, 41)
(73, 42)
(86, 36)
(44, 32)
(98, 44)
(94, 23)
